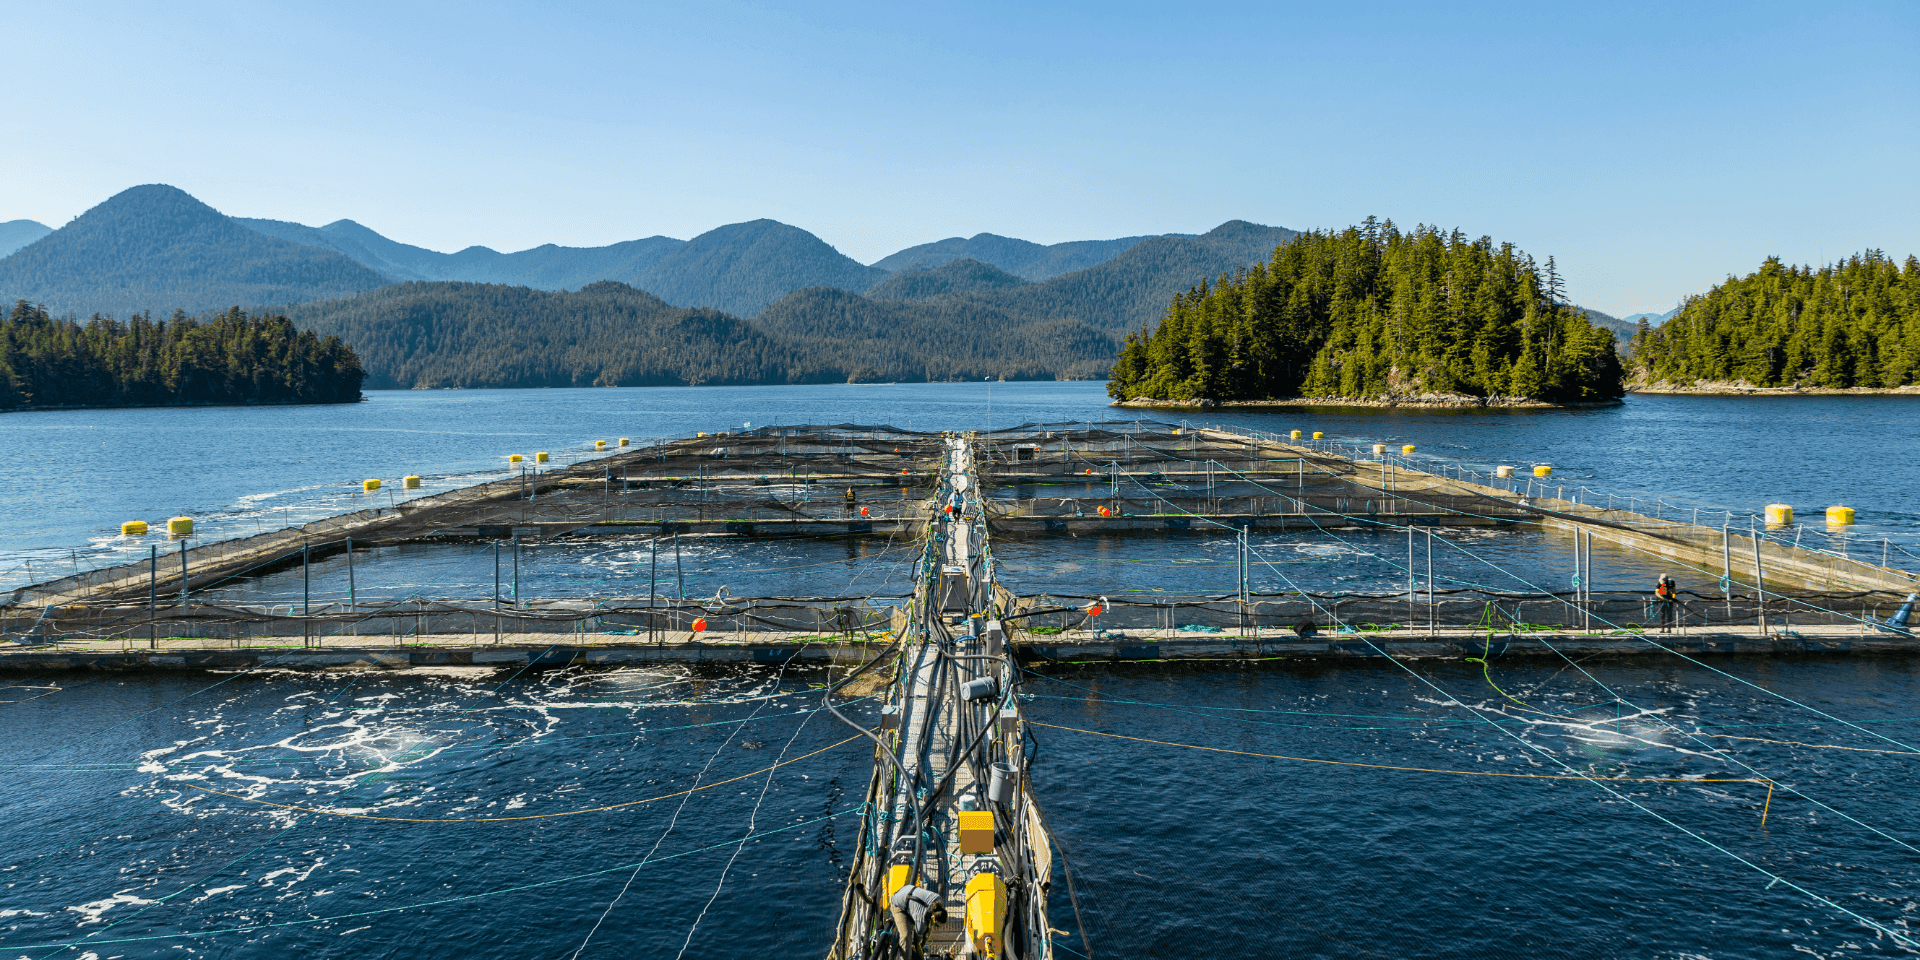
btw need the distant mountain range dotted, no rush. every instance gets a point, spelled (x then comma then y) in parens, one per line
(15, 234)
(1019, 257)
(793, 308)
(156, 248)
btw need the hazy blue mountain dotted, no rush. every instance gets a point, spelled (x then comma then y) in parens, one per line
(1133, 289)
(1654, 319)
(1621, 328)
(739, 268)
(155, 248)
(957, 276)
(742, 267)
(15, 234)
(546, 267)
(1021, 258)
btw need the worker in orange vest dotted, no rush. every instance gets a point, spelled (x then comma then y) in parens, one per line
(1668, 597)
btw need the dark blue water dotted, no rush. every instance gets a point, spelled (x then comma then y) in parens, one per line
(110, 851)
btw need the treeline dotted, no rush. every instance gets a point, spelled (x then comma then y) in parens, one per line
(607, 334)
(1854, 324)
(1371, 312)
(229, 358)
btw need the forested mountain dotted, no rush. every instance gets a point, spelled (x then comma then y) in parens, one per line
(156, 248)
(954, 276)
(452, 334)
(1022, 258)
(943, 339)
(1371, 312)
(1853, 324)
(15, 234)
(1134, 288)
(447, 334)
(232, 358)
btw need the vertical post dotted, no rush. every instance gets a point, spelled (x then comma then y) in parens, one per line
(653, 581)
(153, 594)
(186, 586)
(496, 591)
(1412, 587)
(516, 571)
(1759, 583)
(1433, 619)
(679, 572)
(306, 580)
(353, 593)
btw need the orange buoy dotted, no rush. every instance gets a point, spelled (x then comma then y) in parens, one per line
(1106, 512)
(863, 511)
(1089, 471)
(949, 508)
(1094, 610)
(700, 625)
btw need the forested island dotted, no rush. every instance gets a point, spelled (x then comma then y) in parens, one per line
(1854, 325)
(1374, 314)
(230, 358)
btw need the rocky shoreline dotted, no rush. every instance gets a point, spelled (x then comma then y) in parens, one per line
(1718, 388)
(1428, 401)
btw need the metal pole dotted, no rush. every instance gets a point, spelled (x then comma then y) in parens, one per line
(1412, 587)
(1759, 583)
(679, 572)
(1433, 620)
(653, 581)
(306, 580)
(516, 571)
(153, 593)
(186, 586)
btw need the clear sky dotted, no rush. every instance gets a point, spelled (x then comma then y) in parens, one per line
(1652, 149)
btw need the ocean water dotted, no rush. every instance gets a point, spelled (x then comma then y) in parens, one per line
(1359, 809)
(75, 475)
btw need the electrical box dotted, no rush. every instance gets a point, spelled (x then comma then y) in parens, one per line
(976, 831)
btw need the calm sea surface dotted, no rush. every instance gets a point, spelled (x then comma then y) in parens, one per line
(501, 814)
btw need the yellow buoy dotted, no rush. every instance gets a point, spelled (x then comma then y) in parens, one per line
(1317, 435)
(701, 433)
(986, 912)
(514, 458)
(1407, 449)
(180, 527)
(410, 482)
(624, 441)
(599, 444)
(1839, 516)
(1779, 513)
(1543, 471)
(1503, 471)
(1379, 449)
(540, 457)
(369, 485)
(1295, 435)
(134, 528)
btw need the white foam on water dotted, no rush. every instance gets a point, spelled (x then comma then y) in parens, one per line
(95, 910)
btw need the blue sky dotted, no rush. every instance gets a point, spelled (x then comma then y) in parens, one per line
(1652, 149)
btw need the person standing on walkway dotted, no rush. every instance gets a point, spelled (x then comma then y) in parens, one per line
(1667, 613)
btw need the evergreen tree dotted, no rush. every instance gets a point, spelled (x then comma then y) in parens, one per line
(1371, 311)
(1851, 324)
(230, 358)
